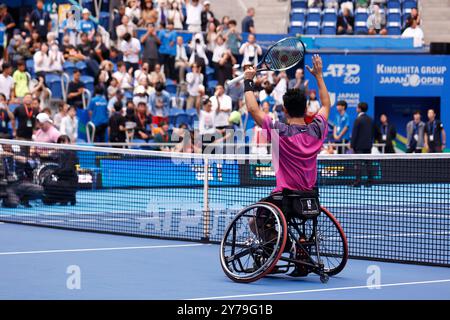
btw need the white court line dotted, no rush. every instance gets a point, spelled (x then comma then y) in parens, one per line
(100, 249)
(323, 290)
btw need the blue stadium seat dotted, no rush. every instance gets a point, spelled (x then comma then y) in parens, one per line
(329, 15)
(53, 82)
(69, 67)
(212, 84)
(171, 88)
(405, 14)
(193, 116)
(81, 65)
(128, 94)
(393, 4)
(329, 28)
(297, 16)
(30, 66)
(394, 28)
(296, 27)
(394, 15)
(13, 107)
(409, 4)
(104, 19)
(88, 83)
(182, 118)
(360, 27)
(361, 14)
(314, 14)
(312, 27)
(173, 113)
(299, 4)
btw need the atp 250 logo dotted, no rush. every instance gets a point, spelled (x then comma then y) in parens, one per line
(350, 72)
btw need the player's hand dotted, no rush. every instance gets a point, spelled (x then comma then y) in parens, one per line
(316, 70)
(249, 72)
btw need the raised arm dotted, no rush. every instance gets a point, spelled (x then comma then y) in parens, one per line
(316, 71)
(250, 99)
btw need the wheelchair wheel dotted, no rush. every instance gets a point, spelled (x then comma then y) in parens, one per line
(333, 247)
(253, 242)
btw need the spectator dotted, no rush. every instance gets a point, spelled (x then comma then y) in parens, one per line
(206, 120)
(140, 95)
(100, 49)
(236, 92)
(415, 130)
(435, 136)
(63, 108)
(362, 3)
(47, 132)
(118, 97)
(123, 76)
(98, 113)
(69, 125)
(362, 140)
(86, 25)
(149, 15)
(345, 22)
(181, 59)
(386, 134)
(331, 4)
(75, 91)
(341, 130)
(127, 26)
(159, 103)
(7, 20)
(413, 15)
(415, 32)
(56, 58)
(299, 81)
(193, 15)
(133, 11)
(315, 4)
(117, 126)
(163, 136)
(198, 52)
(25, 115)
(233, 37)
(6, 116)
(281, 83)
(176, 15)
(250, 50)
(223, 26)
(7, 82)
(222, 105)
(157, 76)
(168, 49)
(117, 21)
(248, 24)
(313, 103)
(142, 74)
(143, 122)
(376, 22)
(211, 36)
(21, 80)
(69, 27)
(42, 60)
(207, 16)
(113, 88)
(162, 13)
(40, 20)
(131, 48)
(194, 79)
(150, 42)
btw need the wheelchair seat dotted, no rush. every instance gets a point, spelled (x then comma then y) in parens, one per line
(302, 204)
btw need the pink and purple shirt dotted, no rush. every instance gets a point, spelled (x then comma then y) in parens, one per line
(294, 152)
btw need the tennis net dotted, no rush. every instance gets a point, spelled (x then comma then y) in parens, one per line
(392, 207)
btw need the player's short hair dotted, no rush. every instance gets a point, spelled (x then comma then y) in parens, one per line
(363, 106)
(342, 103)
(417, 112)
(294, 101)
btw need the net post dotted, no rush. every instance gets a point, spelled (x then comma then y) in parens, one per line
(206, 212)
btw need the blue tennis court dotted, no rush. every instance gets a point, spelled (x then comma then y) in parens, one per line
(35, 261)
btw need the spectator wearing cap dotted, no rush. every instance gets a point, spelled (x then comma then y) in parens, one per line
(7, 82)
(181, 59)
(159, 102)
(435, 137)
(75, 91)
(194, 15)
(69, 125)
(40, 20)
(131, 48)
(194, 79)
(98, 113)
(7, 20)
(168, 49)
(25, 115)
(386, 133)
(415, 130)
(150, 42)
(85, 25)
(222, 105)
(248, 24)
(117, 125)
(207, 16)
(47, 132)
(341, 130)
(140, 95)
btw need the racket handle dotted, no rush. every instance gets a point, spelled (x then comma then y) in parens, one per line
(234, 80)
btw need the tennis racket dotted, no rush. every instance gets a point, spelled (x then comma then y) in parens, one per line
(281, 56)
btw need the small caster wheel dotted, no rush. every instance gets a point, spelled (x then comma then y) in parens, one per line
(324, 278)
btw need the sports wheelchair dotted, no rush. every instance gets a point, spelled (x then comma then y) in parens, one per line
(286, 231)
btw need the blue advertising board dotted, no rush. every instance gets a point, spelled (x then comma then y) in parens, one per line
(364, 77)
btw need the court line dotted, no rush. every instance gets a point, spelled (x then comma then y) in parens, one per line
(101, 249)
(324, 290)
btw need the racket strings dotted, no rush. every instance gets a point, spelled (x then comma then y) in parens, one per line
(285, 54)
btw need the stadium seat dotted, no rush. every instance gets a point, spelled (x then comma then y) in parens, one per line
(361, 27)
(30, 66)
(298, 16)
(88, 83)
(394, 15)
(183, 118)
(212, 84)
(329, 28)
(329, 15)
(361, 14)
(405, 14)
(299, 4)
(312, 27)
(171, 88)
(53, 82)
(409, 4)
(296, 27)
(314, 14)
(394, 28)
(193, 116)
(13, 107)
(393, 4)
(69, 67)
(173, 113)
(81, 65)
